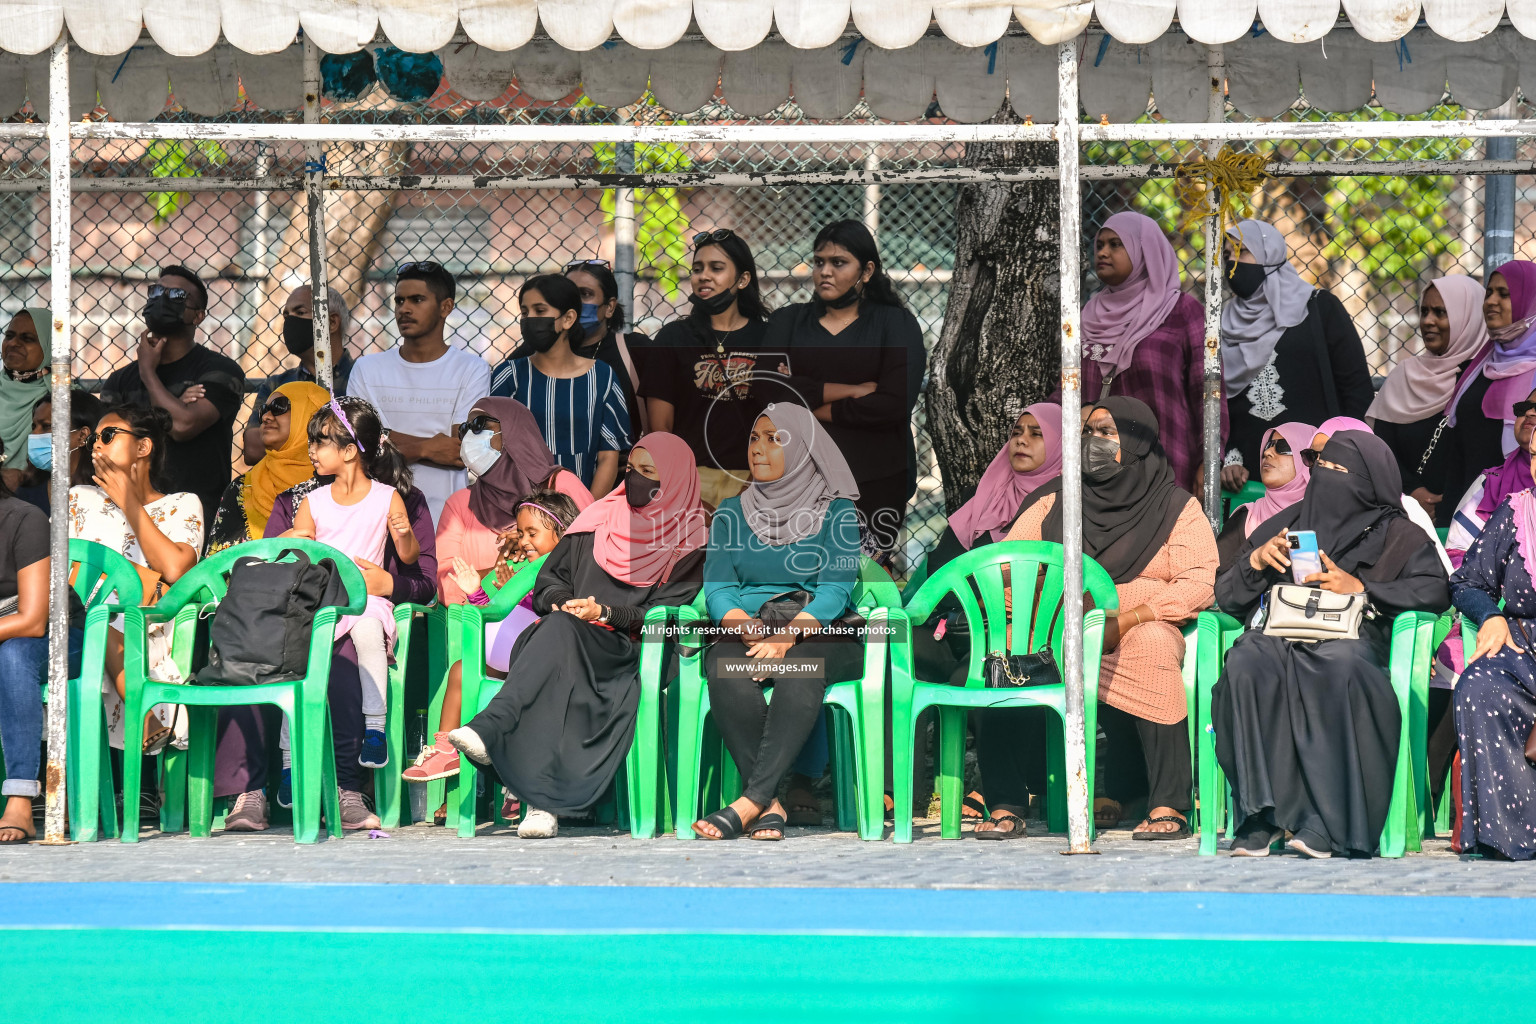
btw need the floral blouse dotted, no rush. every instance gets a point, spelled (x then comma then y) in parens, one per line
(94, 517)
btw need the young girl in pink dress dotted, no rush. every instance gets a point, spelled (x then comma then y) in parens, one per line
(358, 513)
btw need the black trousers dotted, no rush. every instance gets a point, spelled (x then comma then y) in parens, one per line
(764, 739)
(1143, 758)
(882, 506)
(1442, 741)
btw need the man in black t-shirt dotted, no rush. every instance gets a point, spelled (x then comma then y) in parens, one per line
(169, 361)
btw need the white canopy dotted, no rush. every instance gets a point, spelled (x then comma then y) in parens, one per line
(969, 83)
(186, 28)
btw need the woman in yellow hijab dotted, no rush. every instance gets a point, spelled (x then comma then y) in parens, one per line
(247, 501)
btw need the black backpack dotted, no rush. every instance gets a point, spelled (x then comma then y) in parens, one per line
(261, 630)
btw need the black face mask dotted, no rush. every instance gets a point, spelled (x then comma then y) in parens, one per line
(640, 490)
(164, 315)
(715, 304)
(298, 334)
(1246, 278)
(848, 298)
(539, 332)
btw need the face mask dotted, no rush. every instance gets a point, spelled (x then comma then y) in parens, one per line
(298, 334)
(1245, 278)
(1099, 462)
(639, 490)
(846, 299)
(163, 314)
(715, 304)
(477, 453)
(40, 451)
(589, 317)
(539, 332)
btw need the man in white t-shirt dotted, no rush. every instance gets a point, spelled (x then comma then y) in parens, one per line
(424, 388)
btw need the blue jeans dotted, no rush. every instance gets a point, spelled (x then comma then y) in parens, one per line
(23, 671)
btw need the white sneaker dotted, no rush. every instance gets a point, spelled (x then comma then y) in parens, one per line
(537, 824)
(469, 743)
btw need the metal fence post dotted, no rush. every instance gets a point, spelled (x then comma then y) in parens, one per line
(55, 792)
(624, 233)
(1216, 112)
(1499, 200)
(314, 188)
(1079, 785)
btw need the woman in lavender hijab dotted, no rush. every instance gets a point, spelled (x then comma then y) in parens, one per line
(1145, 338)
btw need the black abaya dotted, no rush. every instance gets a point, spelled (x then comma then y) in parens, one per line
(564, 720)
(1308, 733)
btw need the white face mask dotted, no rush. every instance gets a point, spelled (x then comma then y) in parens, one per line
(477, 453)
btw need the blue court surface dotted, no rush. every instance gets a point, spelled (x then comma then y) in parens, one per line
(221, 951)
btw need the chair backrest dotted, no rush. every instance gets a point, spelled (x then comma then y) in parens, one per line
(102, 574)
(208, 580)
(875, 588)
(976, 581)
(518, 586)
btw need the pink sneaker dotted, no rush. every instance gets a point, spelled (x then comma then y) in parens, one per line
(439, 761)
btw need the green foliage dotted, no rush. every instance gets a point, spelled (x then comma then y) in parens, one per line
(661, 226)
(1391, 227)
(172, 158)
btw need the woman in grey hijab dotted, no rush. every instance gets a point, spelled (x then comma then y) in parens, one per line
(1289, 351)
(778, 580)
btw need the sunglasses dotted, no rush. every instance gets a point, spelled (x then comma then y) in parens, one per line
(1280, 445)
(578, 264)
(1523, 408)
(479, 424)
(278, 406)
(717, 235)
(109, 435)
(1309, 457)
(175, 294)
(421, 266)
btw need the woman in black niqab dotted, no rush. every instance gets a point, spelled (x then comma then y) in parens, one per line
(1308, 732)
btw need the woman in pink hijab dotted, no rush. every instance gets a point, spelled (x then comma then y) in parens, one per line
(1285, 477)
(1145, 338)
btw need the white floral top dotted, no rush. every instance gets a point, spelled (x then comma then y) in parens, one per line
(93, 516)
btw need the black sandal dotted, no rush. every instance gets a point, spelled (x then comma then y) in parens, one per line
(1182, 832)
(1013, 831)
(726, 820)
(768, 823)
(973, 802)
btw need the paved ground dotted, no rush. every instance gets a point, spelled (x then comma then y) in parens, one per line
(808, 857)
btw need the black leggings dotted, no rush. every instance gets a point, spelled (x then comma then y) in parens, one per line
(882, 506)
(764, 739)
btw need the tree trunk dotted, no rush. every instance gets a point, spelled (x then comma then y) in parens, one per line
(999, 349)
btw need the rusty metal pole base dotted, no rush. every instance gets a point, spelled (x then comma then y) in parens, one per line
(51, 841)
(1069, 852)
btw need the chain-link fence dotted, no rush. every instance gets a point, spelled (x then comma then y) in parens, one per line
(1374, 241)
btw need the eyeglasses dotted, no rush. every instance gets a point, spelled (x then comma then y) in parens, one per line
(1309, 457)
(419, 266)
(1524, 408)
(578, 264)
(109, 435)
(717, 235)
(1280, 445)
(479, 424)
(278, 406)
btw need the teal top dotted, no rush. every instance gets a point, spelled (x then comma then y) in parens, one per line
(742, 571)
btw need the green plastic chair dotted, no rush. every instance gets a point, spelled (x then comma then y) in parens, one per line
(859, 721)
(1409, 669)
(303, 701)
(1039, 624)
(388, 786)
(1252, 491)
(107, 584)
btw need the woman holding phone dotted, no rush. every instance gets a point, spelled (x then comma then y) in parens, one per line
(1325, 775)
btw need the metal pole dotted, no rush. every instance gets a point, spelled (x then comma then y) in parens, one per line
(624, 232)
(872, 191)
(1216, 110)
(1079, 786)
(314, 188)
(59, 198)
(1499, 201)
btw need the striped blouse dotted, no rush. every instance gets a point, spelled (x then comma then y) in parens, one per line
(579, 416)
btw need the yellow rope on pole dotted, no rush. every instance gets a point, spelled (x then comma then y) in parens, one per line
(1220, 187)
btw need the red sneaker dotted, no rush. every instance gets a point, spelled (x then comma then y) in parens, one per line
(439, 761)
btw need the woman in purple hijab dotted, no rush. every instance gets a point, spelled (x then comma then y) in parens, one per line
(1482, 408)
(1143, 337)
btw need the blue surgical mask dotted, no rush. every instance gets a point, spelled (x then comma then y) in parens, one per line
(40, 451)
(590, 317)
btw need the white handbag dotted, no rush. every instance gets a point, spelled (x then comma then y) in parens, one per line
(1297, 612)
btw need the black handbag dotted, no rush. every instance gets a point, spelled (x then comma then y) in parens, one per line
(1008, 671)
(778, 612)
(261, 629)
